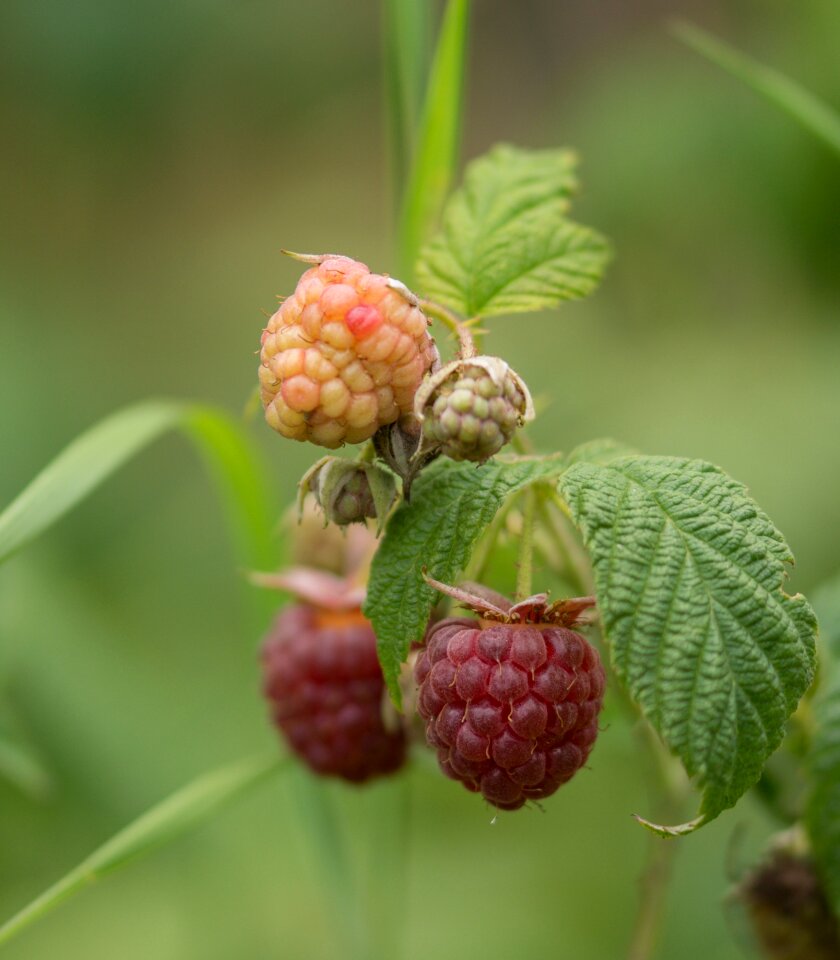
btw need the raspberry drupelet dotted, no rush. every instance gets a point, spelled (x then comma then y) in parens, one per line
(511, 701)
(344, 355)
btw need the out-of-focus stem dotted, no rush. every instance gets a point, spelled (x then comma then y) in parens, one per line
(526, 553)
(668, 793)
(453, 323)
(482, 553)
(668, 783)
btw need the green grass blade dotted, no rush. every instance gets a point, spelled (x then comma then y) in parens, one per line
(97, 453)
(241, 478)
(436, 153)
(811, 112)
(405, 43)
(80, 467)
(186, 808)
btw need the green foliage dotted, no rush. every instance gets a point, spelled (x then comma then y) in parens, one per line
(505, 245)
(689, 577)
(186, 808)
(812, 113)
(439, 137)
(97, 453)
(451, 505)
(82, 466)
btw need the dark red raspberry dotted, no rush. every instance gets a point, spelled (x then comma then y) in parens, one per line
(325, 687)
(510, 706)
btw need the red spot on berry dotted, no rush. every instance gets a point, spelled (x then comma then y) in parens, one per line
(363, 320)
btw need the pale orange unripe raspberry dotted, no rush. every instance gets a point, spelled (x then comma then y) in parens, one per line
(344, 355)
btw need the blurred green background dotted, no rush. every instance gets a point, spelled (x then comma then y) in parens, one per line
(155, 158)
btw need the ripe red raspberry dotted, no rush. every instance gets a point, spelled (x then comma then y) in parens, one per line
(344, 355)
(511, 706)
(324, 684)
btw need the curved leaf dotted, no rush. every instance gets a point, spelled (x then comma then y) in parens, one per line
(505, 245)
(100, 451)
(810, 111)
(689, 577)
(186, 808)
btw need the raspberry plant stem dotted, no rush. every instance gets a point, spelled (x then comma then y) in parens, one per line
(526, 554)
(458, 327)
(668, 785)
(482, 553)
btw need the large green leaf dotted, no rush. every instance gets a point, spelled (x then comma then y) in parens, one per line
(186, 808)
(689, 576)
(451, 505)
(96, 454)
(505, 245)
(814, 114)
(439, 137)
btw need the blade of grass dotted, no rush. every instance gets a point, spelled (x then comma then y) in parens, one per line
(439, 136)
(186, 808)
(100, 451)
(405, 45)
(240, 478)
(812, 113)
(91, 458)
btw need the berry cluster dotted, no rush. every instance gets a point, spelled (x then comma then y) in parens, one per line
(510, 701)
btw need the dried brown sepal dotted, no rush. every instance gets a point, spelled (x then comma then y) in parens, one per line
(490, 605)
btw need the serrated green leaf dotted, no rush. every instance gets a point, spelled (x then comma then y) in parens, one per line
(810, 111)
(505, 245)
(451, 504)
(186, 808)
(689, 575)
(439, 136)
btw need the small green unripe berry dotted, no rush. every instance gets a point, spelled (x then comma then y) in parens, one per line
(472, 407)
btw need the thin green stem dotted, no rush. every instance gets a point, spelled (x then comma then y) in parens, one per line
(526, 552)
(668, 794)
(484, 550)
(461, 328)
(576, 567)
(669, 784)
